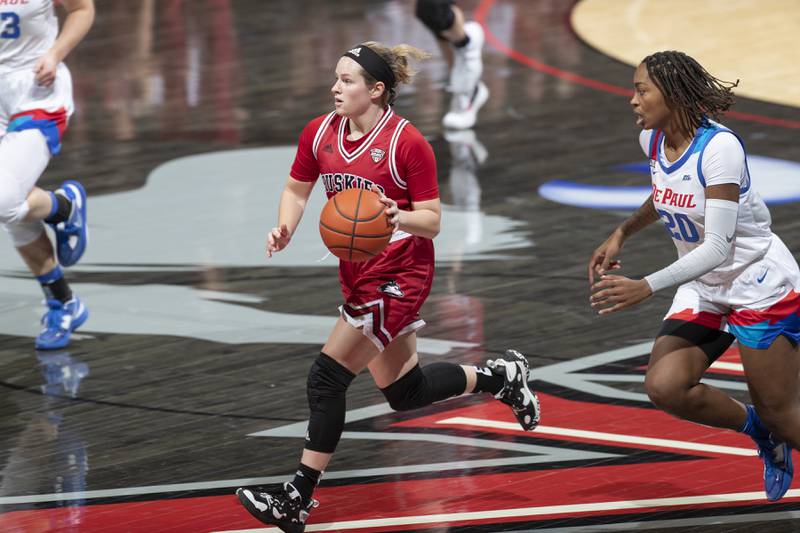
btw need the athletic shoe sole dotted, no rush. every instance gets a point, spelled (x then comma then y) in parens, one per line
(527, 425)
(523, 416)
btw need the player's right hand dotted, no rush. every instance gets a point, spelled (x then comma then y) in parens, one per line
(604, 257)
(277, 239)
(45, 69)
(392, 211)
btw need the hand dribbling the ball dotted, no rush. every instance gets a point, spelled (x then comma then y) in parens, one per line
(277, 239)
(392, 211)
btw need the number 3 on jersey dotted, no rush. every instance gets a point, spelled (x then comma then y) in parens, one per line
(9, 23)
(686, 230)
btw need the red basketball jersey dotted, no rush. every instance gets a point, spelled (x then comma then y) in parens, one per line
(384, 294)
(393, 155)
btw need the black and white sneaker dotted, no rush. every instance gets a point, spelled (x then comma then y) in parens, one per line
(280, 507)
(515, 393)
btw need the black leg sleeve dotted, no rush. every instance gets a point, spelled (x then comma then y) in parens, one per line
(424, 386)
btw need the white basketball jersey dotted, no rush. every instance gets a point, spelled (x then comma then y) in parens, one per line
(28, 29)
(679, 196)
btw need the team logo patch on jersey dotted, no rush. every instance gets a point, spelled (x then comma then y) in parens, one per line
(377, 154)
(392, 289)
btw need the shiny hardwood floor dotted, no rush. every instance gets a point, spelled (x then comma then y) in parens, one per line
(188, 379)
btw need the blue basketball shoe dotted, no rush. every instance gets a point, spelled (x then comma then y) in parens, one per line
(777, 457)
(60, 320)
(778, 469)
(72, 235)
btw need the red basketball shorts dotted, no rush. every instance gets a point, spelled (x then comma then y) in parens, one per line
(383, 296)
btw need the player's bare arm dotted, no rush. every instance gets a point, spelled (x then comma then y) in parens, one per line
(727, 191)
(640, 219)
(604, 257)
(290, 210)
(80, 16)
(424, 220)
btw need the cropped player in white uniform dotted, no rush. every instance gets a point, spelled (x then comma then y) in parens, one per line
(733, 272)
(35, 105)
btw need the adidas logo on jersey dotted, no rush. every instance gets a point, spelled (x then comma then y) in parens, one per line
(687, 177)
(377, 154)
(355, 51)
(392, 289)
(328, 148)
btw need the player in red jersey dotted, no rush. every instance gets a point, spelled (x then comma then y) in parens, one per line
(364, 143)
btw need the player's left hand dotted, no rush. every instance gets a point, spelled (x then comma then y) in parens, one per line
(392, 211)
(45, 69)
(613, 293)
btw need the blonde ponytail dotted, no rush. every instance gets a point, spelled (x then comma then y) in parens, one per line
(397, 57)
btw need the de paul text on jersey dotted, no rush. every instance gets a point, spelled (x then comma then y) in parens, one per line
(667, 196)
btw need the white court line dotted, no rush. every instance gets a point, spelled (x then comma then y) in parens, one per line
(576, 508)
(721, 365)
(610, 437)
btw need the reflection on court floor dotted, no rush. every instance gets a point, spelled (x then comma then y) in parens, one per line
(188, 380)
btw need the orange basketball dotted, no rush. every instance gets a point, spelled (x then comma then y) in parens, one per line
(353, 225)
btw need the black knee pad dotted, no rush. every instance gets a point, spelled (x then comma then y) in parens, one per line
(423, 386)
(437, 15)
(326, 389)
(407, 392)
(711, 340)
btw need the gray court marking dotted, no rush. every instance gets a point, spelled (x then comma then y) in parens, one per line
(213, 211)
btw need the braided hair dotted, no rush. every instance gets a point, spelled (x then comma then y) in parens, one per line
(689, 88)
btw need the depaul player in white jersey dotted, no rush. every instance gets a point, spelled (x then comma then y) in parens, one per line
(35, 105)
(732, 270)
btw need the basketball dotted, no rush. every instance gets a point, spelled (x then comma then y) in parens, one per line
(353, 225)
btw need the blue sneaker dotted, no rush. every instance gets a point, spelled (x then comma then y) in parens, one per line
(72, 235)
(778, 469)
(59, 322)
(777, 456)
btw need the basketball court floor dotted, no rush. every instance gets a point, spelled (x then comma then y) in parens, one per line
(188, 379)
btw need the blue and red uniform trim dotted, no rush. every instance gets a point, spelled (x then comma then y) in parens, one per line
(754, 329)
(759, 329)
(52, 124)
